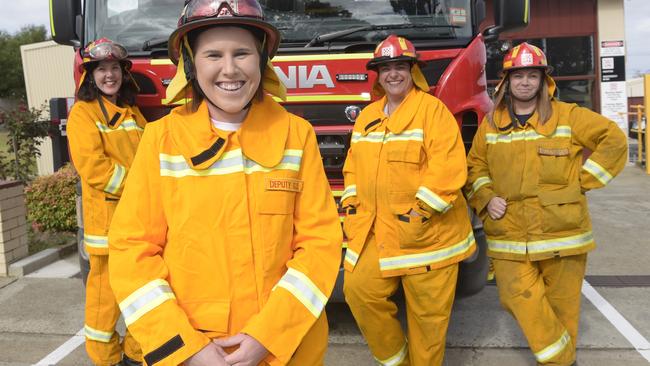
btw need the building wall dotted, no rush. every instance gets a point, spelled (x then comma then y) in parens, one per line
(47, 69)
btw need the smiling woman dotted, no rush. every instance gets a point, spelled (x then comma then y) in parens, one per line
(226, 244)
(104, 129)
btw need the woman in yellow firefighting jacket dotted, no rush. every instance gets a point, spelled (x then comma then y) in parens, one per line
(527, 181)
(407, 220)
(226, 244)
(104, 129)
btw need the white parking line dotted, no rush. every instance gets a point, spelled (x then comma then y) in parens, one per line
(618, 321)
(63, 350)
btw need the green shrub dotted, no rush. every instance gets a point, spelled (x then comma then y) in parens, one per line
(51, 204)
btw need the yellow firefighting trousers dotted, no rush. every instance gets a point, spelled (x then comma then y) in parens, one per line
(544, 297)
(102, 341)
(429, 299)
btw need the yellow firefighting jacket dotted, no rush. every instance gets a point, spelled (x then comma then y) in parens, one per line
(102, 153)
(539, 171)
(413, 159)
(219, 233)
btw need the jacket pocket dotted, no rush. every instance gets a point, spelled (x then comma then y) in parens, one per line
(495, 227)
(404, 165)
(276, 222)
(415, 232)
(412, 231)
(208, 316)
(554, 163)
(562, 209)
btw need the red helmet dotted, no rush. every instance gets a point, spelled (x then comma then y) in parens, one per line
(104, 49)
(201, 13)
(393, 49)
(525, 55)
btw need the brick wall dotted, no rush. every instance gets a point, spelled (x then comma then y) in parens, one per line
(13, 224)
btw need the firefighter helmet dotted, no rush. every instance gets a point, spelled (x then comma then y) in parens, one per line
(525, 55)
(103, 49)
(201, 13)
(393, 49)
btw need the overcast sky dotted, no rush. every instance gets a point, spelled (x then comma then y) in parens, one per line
(18, 13)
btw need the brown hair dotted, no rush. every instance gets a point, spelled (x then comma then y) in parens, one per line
(197, 94)
(502, 100)
(88, 91)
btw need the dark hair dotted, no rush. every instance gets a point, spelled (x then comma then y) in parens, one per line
(197, 94)
(88, 91)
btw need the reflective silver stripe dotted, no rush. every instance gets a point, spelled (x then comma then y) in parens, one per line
(127, 125)
(229, 163)
(416, 134)
(145, 299)
(554, 349)
(351, 256)
(371, 137)
(397, 358)
(114, 184)
(478, 183)
(505, 246)
(528, 135)
(300, 286)
(541, 246)
(97, 335)
(423, 259)
(433, 200)
(597, 171)
(349, 191)
(408, 135)
(96, 241)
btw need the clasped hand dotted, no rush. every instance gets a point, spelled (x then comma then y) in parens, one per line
(250, 352)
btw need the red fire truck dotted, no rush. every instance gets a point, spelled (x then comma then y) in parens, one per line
(322, 58)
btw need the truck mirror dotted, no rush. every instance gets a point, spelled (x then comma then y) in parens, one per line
(509, 16)
(64, 16)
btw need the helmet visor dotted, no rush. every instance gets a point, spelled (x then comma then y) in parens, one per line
(198, 9)
(106, 51)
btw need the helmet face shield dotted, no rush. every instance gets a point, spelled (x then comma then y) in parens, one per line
(206, 13)
(105, 50)
(199, 9)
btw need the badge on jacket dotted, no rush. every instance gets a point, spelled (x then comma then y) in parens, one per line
(284, 184)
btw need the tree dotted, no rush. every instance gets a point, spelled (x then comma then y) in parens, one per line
(26, 129)
(13, 82)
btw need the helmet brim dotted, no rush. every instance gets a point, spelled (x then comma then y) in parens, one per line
(374, 63)
(547, 69)
(272, 33)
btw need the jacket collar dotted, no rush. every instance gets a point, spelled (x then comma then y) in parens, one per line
(263, 134)
(506, 122)
(405, 112)
(116, 114)
(265, 131)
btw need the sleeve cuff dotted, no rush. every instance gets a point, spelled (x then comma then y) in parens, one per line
(597, 171)
(432, 200)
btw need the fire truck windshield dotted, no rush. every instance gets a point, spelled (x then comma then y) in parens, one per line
(301, 21)
(142, 25)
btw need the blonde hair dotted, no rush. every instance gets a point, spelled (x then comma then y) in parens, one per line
(543, 108)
